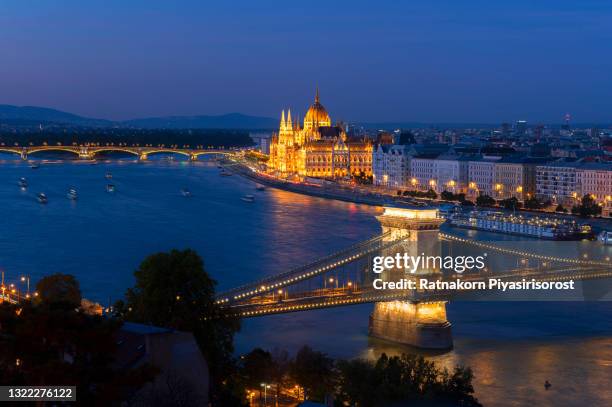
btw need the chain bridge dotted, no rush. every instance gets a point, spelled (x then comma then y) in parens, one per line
(413, 316)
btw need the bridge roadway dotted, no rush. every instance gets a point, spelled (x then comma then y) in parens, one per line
(89, 152)
(268, 304)
(261, 297)
(308, 271)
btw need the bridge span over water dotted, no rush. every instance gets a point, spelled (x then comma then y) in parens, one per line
(412, 316)
(90, 152)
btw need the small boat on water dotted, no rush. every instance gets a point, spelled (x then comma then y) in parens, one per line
(23, 183)
(72, 194)
(605, 237)
(248, 198)
(225, 174)
(42, 198)
(260, 187)
(108, 175)
(110, 188)
(35, 166)
(185, 192)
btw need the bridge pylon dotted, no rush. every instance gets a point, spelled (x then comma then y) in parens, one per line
(419, 324)
(24, 154)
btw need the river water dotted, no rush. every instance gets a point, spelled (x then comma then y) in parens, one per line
(513, 347)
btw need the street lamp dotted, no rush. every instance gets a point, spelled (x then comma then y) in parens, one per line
(26, 279)
(265, 386)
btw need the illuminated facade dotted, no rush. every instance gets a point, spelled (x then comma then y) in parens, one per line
(318, 149)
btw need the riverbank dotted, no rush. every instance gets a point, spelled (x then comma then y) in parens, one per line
(355, 195)
(333, 191)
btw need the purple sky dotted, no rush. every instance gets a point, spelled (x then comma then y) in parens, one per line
(441, 61)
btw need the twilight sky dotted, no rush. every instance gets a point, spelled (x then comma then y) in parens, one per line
(430, 61)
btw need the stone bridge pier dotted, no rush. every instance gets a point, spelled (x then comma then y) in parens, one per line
(414, 323)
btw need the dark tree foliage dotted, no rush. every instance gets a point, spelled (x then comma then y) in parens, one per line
(533, 203)
(59, 291)
(257, 366)
(587, 208)
(173, 290)
(510, 203)
(431, 194)
(402, 379)
(485, 200)
(449, 196)
(313, 371)
(44, 345)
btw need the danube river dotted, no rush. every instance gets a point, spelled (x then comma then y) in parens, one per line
(513, 347)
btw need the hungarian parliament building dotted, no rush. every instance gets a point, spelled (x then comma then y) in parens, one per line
(318, 149)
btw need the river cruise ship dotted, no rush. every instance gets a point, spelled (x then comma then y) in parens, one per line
(542, 227)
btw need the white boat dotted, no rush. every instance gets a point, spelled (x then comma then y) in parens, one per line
(225, 174)
(605, 237)
(23, 183)
(260, 187)
(35, 166)
(110, 188)
(108, 175)
(72, 194)
(42, 198)
(248, 198)
(185, 192)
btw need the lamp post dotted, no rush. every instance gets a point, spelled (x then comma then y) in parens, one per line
(26, 279)
(265, 386)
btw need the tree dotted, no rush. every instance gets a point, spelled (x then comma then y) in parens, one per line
(400, 379)
(533, 203)
(313, 371)
(560, 208)
(257, 367)
(59, 291)
(173, 290)
(588, 207)
(510, 203)
(431, 194)
(485, 200)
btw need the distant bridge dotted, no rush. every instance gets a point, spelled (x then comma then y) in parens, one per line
(90, 152)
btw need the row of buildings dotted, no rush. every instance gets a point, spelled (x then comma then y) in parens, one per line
(500, 177)
(487, 166)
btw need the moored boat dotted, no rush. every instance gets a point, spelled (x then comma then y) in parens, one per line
(108, 175)
(23, 183)
(541, 227)
(260, 187)
(110, 188)
(42, 198)
(186, 192)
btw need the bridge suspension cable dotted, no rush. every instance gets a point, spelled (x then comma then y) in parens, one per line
(525, 254)
(309, 270)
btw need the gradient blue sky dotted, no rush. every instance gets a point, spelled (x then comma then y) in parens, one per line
(440, 61)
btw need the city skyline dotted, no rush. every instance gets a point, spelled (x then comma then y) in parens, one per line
(442, 63)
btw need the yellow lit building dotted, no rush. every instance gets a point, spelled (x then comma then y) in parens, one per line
(317, 149)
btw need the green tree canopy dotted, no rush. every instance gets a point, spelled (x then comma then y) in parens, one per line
(173, 290)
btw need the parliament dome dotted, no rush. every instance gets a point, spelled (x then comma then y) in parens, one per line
(316, 116)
